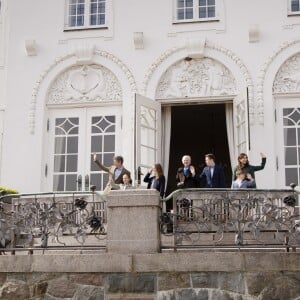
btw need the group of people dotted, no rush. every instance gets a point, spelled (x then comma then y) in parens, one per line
(187, 175)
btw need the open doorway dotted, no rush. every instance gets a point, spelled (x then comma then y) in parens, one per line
(197, 130)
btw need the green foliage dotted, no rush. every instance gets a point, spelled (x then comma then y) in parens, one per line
(8, 191)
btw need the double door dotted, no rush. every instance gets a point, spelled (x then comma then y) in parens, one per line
(73, 135)
(288, 141)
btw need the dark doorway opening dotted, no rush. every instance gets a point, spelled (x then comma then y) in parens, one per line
(197, 130)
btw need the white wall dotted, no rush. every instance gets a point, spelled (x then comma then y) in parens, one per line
(43, 21)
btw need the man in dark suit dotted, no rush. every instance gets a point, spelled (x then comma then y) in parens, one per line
(213, 174)
(186, 175)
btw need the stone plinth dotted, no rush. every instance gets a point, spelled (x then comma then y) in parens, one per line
(133, 221)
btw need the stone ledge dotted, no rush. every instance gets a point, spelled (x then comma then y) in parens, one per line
(60, 263)
(141, 263)
(217, 261)
(133, 198)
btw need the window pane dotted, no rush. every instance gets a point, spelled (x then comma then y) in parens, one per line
(291, 156)
(101, 7)
(189, 13)
(60, 145)
(148, 137)
(72, 163)
(58, 183)
(72, 10)
(180, 14)
(108, 159)
(211, 11)
(291, 176)
(295, 5)
(96, 144)
(96, 179)
(71, 184)
(109, 143)
(80, 9)
(202, 2)
(59, 163)
(180, 3)
(93, 8)
(290, 137)
(80, 21)
(189, 3)
(102, 19)
(147, 156)
(211, 2)
(93, 19)
(72, 144)
(202, 12)
(105, 179)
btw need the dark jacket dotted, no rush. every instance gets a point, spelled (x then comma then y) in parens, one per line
(159, 184)
(218, 179)
(188, 181)
(250, 169)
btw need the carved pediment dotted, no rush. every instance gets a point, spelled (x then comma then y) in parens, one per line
(287, 79)
(202, 77)
(88, 83)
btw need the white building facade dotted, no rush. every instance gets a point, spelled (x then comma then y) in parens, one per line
(151, 81)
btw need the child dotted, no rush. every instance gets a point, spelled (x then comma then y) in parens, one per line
(243, 181)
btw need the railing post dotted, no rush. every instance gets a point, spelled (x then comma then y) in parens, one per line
(133, 221)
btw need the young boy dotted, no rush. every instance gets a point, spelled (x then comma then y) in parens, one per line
(243, 181)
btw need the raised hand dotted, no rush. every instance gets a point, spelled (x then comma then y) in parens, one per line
(192, 169)
(94, 156)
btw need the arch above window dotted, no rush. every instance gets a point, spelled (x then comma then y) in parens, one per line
(287, 79)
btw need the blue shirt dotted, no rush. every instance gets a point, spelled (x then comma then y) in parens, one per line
(186, 170)
(118, 171)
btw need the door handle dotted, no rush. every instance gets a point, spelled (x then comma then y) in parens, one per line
(79, 182)
(87, 182)
(139, 175)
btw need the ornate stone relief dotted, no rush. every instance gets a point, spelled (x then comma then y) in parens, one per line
(104, 54)
(287, 79)
(208, 44)
(196, 78)
(88, 83)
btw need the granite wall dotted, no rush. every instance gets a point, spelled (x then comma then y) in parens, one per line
(162, 276)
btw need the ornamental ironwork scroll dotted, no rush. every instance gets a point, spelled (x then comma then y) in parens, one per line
(62, 221)
(263, 218)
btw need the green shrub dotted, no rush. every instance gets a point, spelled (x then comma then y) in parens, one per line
(8, 191)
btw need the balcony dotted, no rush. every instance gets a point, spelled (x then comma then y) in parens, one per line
(201, 218)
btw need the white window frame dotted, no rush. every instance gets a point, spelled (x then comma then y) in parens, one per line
(87, 25)
(289, 9)
(195, 13)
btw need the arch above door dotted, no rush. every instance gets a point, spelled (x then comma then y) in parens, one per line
(227, 64)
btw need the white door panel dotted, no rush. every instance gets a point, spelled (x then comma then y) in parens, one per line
(241, 124)
(73, 135)
(288, 141)
(147, 133)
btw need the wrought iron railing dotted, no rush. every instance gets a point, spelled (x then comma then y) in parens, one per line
(232, 218)
(52, 221)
